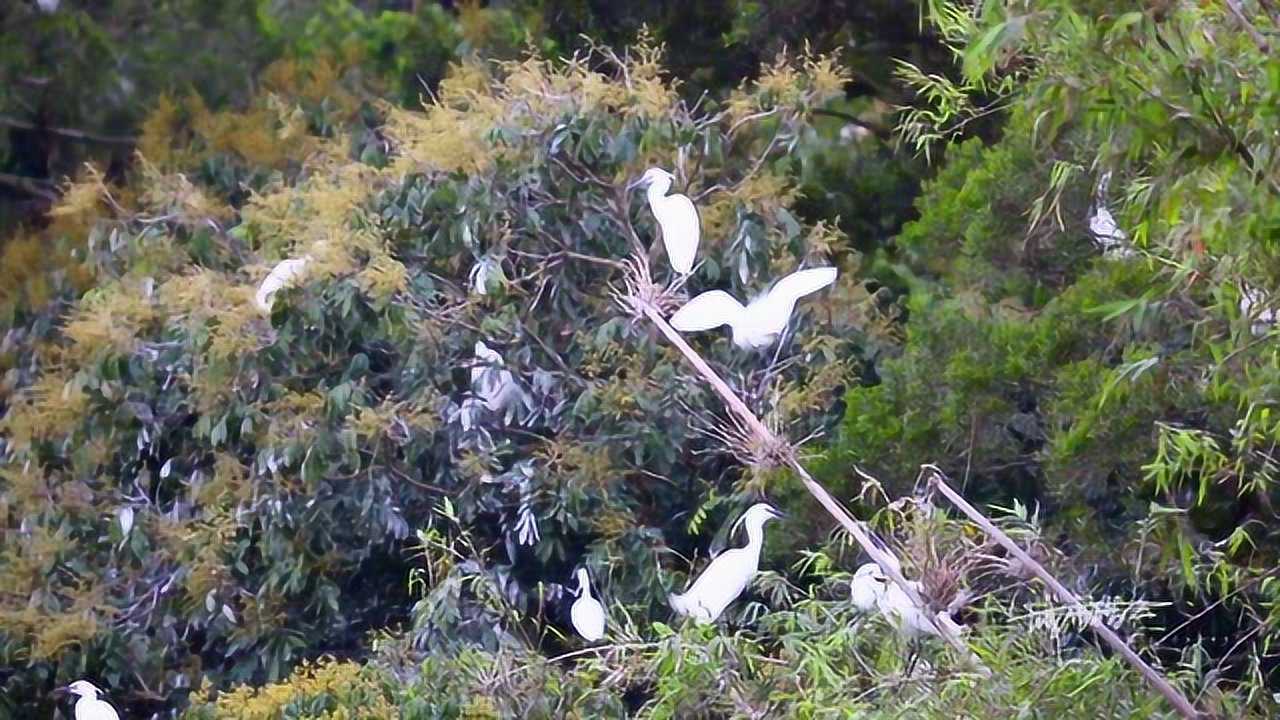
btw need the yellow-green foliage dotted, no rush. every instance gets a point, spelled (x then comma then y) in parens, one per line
(271, 132)
(324, 690)
(217, 476)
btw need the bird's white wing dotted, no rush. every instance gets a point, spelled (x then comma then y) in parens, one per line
(722, 582)
(98, 710)
(710, 309)
(801, 283)
(772, 311)
(680, 232)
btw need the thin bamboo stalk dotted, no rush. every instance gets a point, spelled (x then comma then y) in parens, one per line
(1158, 682)
(860, 532)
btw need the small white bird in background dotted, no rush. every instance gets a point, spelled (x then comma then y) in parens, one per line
(677, 217)
(1253, 306)
(486, 275)
(89, 707)
(729, 572)
(285, 274)
(48, 6)
(492, 382)
(872, 589)
(762, 321)
(587, 613)
(1102, 224)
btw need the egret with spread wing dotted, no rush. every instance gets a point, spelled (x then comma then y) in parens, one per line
(759, 324)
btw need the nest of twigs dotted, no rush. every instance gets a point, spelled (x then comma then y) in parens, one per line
(639, 291)
(746, 444)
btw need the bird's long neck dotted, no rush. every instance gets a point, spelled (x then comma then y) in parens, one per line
(657, 190)
(584, 586)
(755, 537)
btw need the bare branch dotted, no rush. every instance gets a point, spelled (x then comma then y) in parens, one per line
(859, 530)
(73, 133)
(938, 481)
(30, 186)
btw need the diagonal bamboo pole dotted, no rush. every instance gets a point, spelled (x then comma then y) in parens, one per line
(860, 532)
(889, 564)
(938, 481)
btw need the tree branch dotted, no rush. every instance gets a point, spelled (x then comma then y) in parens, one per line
(880, 131)
(30, 186)
(860, 532)
(72, 133)
(938, 481)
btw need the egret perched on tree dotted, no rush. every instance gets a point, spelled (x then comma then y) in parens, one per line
(761, 322)
(285, 274)
(587, 613)
(1109, 236)
(1253, 306)
(872, 589)
(729, 572)
(677, 217)
(492, 382)
(89, 707)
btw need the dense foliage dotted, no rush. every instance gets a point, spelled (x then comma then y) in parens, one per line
(322, 510)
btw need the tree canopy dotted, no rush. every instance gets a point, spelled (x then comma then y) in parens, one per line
(367, 494)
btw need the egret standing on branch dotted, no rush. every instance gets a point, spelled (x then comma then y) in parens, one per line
(587, 613)
(89, 707)
(729, 572)
(762, 321)
(677, 217)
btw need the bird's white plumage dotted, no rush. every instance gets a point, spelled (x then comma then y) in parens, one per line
(48, 6)
(1254, 307)
(485, 275)
(587, 613)
(1109, 236)
(709, 310)
(285, 274)
(872, 589)
(729, 572)
(88, 706)
(492, 383)
(760, 322)
(677, 217)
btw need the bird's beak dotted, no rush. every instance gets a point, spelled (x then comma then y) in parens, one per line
(636, 183)
(779, 514)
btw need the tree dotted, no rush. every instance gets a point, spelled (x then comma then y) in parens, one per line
(193, 484)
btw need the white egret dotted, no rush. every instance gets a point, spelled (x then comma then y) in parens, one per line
(677, 217)
(493, 388)
(486, 275)
(729, 572)
(493, 383)
(587, 613)
(1253, 306)
(759, 324)
(1109, 236)
(872, 589)
(89, 707)
(48, 6)
(285, 274)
